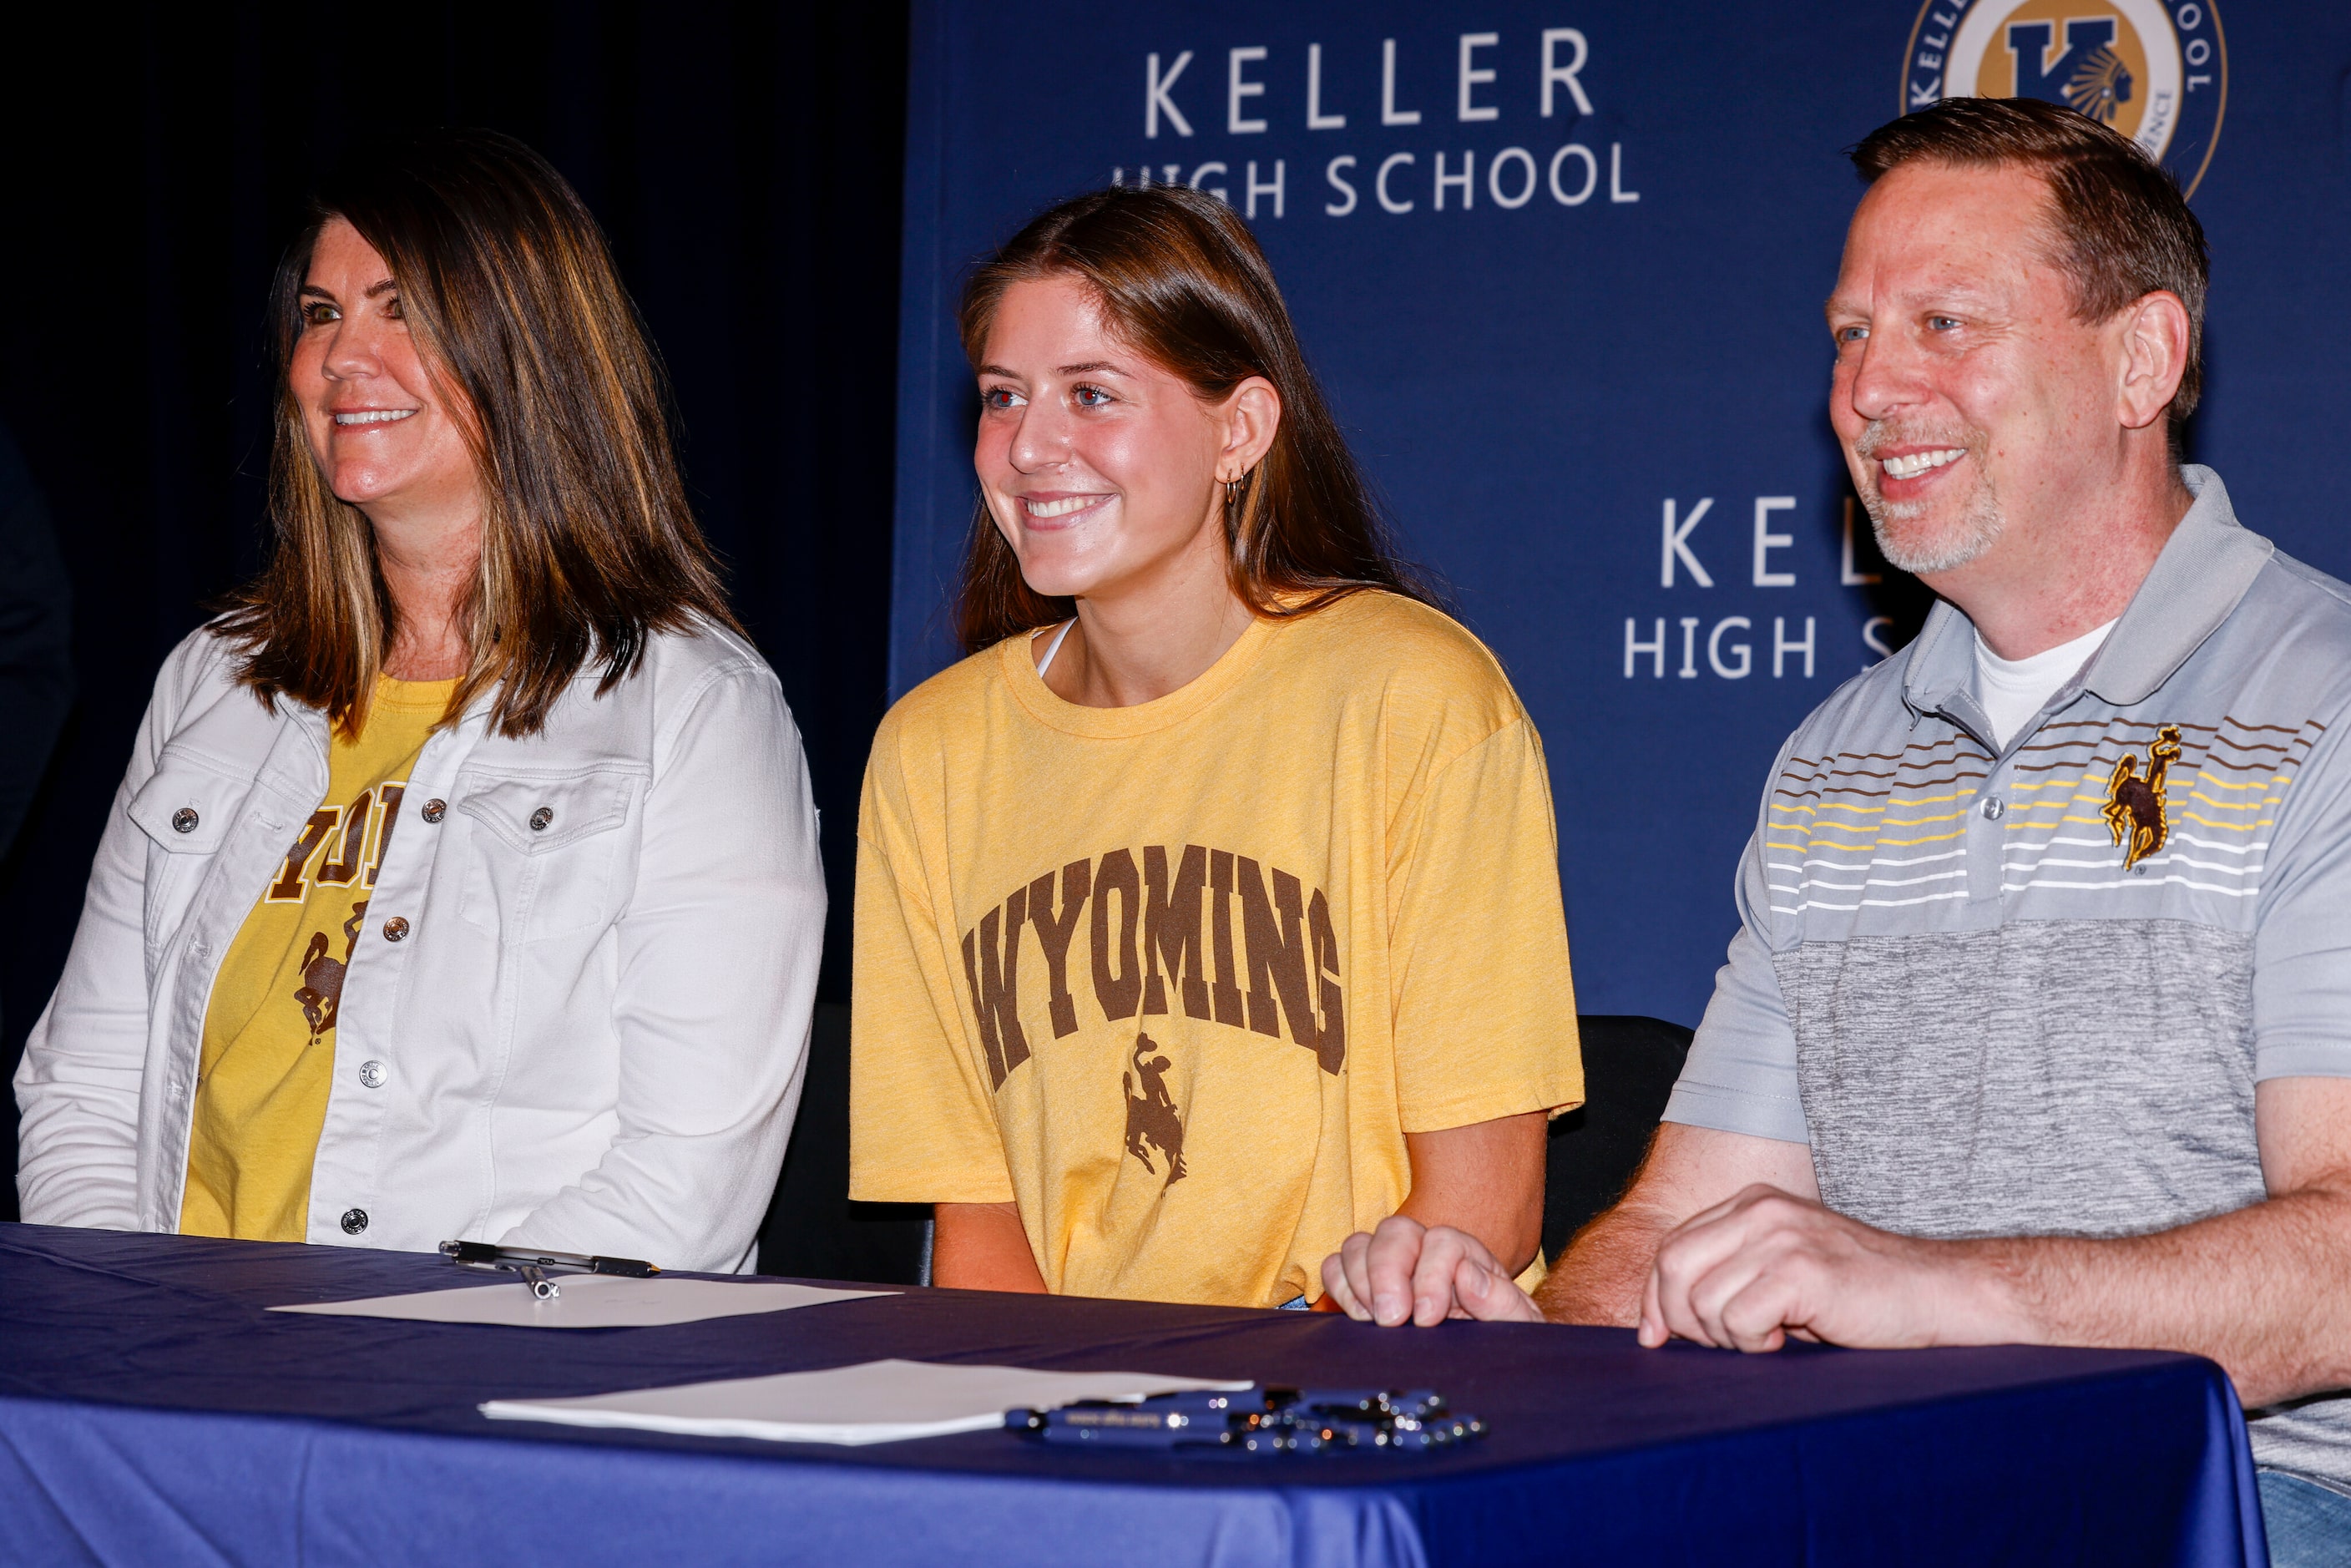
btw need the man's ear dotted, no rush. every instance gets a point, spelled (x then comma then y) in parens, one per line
(2153, 337)
(1252, 413)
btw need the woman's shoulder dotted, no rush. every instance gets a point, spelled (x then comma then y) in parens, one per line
(1411, 653)
(204, 669)
(907, 767)
(679, 674)
(209, 656)
(699, 651)
(948, 700)
(201, 706)
(682, 682)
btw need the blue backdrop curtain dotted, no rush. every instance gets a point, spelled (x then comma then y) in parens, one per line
(1560, 268)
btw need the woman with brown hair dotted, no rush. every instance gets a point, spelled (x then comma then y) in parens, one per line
(481, 757)
(1209, 911)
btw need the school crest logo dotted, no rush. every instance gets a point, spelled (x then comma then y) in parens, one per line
(2156, 70)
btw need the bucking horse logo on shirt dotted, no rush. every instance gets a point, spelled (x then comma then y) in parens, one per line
(1152, 1119)
(321, 993)
(2135, 812)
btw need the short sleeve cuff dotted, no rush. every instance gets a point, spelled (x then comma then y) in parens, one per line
(934, 1187)
(1734, 1111)
(2312, 1059)
(1561, 1094)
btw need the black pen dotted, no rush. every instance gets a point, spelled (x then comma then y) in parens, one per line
(532, 1263)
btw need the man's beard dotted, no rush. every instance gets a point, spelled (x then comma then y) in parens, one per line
(1902, 540)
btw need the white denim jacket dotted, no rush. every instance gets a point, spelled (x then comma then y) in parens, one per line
(587, 1034)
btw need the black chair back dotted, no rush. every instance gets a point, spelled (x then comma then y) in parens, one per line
(813, 1232)
(1629, 1067)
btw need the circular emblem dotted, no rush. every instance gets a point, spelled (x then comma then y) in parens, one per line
(2156, 70)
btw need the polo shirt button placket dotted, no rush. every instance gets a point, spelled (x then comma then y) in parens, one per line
(1987, 873)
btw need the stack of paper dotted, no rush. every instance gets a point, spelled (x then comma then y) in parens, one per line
(875, 1402)
(590, 1301)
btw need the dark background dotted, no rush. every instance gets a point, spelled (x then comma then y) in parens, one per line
(745, 162)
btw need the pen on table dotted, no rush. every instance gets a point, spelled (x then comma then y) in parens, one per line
(532, 1264)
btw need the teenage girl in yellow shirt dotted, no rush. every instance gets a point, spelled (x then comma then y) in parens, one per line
(1209, 911)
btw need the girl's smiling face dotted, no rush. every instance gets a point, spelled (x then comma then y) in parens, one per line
(1100, 468)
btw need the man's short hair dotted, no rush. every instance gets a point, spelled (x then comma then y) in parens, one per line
(2124, 229)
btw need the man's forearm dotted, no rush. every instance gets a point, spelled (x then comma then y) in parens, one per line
(1599, 1278)
(2265, 1290)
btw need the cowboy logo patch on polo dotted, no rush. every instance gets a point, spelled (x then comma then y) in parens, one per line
(2135, 812)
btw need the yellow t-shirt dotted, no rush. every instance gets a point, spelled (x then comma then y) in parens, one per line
(269, 1031)
(1179, 978)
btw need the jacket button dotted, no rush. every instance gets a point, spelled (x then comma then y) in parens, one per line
(372, 1074)
(540, 817)
(354, 1221)
(436, 810)
(395, 928)
(184, 820)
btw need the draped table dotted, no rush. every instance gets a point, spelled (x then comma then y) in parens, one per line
(152, 1412)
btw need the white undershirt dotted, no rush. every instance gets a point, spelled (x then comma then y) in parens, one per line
(2012, 690)
(1052, 647)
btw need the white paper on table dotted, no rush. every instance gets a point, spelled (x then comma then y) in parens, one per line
(872, 1402)
(590, 1301)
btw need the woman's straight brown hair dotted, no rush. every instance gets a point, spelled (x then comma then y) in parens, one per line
(1181, 280)
(589, 547)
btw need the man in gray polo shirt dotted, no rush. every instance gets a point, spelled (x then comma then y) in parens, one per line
(2037, 1027)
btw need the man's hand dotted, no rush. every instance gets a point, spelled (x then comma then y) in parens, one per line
(1746, 1274)
(1409, 1271)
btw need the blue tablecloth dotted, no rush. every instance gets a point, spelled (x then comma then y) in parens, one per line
(152, 1412)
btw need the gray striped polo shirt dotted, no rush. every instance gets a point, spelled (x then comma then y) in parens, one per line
(2028, 990)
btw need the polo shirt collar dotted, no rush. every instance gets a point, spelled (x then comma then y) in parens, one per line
(2204, 570)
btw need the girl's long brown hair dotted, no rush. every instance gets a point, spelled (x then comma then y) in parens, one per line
(589, 547)
(1181, 280)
